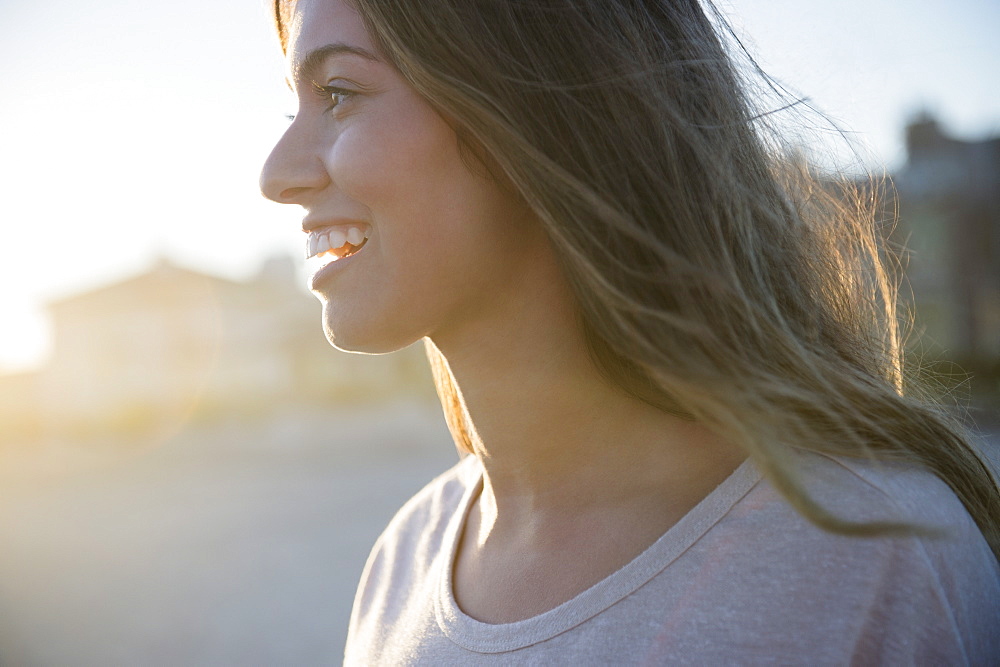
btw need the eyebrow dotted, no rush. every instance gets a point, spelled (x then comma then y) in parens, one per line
(307, 67)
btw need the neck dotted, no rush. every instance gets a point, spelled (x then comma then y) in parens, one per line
(554, 437)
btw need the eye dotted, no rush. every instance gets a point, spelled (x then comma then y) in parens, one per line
(334, 96)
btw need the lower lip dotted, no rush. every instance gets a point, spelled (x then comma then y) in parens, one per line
(327, 272)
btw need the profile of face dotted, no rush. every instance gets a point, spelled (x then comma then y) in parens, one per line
(412, 241)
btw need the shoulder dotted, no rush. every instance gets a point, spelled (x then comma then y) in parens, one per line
(930, 595)
(398, 583)
(861, 491)
(405, 553)
(432, 508)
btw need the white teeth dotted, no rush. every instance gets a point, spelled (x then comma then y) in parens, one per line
(337, 238)
(323, 244)
(330, 240)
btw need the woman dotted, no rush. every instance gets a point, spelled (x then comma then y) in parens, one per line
(675, 367)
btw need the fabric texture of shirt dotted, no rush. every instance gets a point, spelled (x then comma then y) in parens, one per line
(741, 579)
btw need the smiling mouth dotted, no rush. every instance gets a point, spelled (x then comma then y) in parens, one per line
(328, 244)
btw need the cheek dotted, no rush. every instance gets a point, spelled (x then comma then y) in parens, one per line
(354, 164)
(404, 165)
(393, 151)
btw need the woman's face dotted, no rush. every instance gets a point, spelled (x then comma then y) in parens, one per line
(426, 245)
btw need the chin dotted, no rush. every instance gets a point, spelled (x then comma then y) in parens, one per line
(356, 338)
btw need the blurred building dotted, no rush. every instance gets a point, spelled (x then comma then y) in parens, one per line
(173, 344)
(949, 218)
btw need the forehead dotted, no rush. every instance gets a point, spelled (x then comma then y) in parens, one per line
(314, 24)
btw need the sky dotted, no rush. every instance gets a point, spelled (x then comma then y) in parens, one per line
(136, 130)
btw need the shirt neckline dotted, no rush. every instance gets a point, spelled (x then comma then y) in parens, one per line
(497, 638)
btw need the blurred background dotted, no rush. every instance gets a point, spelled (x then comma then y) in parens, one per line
(188, 473)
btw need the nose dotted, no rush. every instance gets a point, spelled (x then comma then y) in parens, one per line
(294, 169)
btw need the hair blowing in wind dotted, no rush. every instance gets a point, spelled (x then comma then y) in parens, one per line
(716, 276)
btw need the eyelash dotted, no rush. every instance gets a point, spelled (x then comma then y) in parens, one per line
(331, 94)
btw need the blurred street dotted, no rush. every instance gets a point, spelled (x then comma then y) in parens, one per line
(215, 548)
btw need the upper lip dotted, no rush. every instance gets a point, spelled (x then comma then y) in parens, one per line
(310, 225)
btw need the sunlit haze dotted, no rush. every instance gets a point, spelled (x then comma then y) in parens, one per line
(135, 130)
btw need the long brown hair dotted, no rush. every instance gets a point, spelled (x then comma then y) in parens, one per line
(716, 277)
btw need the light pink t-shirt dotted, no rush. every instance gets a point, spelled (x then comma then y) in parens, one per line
(741, 579)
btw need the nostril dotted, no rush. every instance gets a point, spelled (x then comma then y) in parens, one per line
(291, 194)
